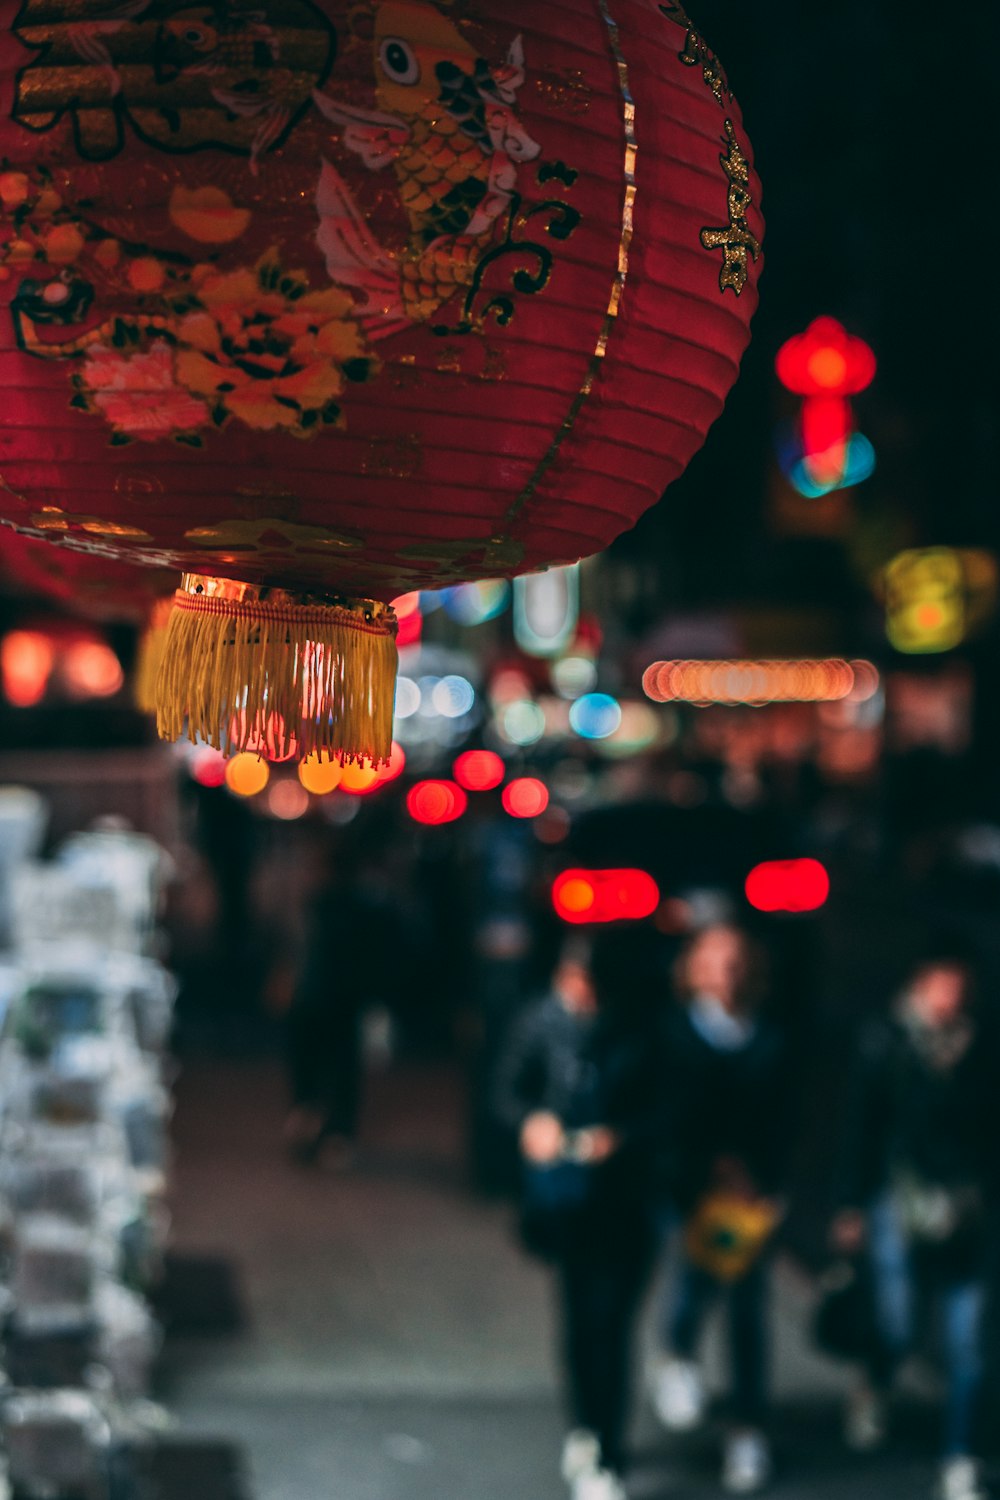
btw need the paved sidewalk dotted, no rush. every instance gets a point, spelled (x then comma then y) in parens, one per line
(397, 1345)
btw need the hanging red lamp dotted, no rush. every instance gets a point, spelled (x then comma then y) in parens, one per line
(322, 303)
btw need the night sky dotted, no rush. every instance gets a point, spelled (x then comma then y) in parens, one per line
(875, 134)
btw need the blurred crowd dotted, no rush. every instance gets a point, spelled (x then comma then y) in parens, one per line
(713, 1088)
(649, 1109)
(658, 1094)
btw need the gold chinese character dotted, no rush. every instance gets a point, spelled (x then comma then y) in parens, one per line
(736, 241)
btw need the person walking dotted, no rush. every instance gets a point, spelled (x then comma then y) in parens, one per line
(918, 1197)
(353, 956)
(725, 1134)
(575, 1083)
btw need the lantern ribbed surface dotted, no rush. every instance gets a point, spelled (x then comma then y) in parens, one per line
(357, 299)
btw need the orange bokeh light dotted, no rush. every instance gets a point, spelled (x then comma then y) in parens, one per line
(26, 661)
(247, 774)
(810, 680)
(90, 669)
(358, 777)
(827, 367)
(407, 604)
(577, 896)
(320, 777)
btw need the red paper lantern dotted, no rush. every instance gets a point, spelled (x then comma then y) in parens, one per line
(826, 365)
(325, 303)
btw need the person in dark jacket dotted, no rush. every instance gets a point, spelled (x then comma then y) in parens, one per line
(353, 954)
(726, 1134)
(575, 1083)
(918, 1191)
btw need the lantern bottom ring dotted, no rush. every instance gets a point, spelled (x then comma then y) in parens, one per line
(245, 664)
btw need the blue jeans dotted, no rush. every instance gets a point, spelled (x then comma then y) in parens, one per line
(746, 1304)
(962, 1306)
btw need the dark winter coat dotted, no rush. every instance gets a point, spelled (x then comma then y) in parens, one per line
(587, 1071)
(723, 1105)
(907, 1115)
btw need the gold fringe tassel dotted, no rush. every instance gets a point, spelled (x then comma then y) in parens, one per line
(243, 666)
(149, 657)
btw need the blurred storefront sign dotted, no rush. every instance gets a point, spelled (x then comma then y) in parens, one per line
(936, 597)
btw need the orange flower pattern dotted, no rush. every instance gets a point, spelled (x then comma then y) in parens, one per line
(259, 345)
(254, 344)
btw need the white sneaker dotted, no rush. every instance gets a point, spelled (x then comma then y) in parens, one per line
(864, 1420)
(960, 1480)
(599, 1484)
(678, 1395)
(746, 1466)
(581, 1454)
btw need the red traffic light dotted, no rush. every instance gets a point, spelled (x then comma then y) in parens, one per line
(582, 896)
(791, 885)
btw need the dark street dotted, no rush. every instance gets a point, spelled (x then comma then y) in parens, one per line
(393, 1342)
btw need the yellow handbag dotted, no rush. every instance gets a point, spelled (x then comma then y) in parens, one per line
(726, 1234)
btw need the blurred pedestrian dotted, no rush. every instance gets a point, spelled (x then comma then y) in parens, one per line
(353, 956)
(575, 1083)
(918, 1194)
(726, 1123)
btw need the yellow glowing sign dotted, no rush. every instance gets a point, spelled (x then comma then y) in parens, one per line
(935, 596)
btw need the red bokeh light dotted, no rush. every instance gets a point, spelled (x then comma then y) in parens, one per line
(826, 365)
(582, 896)
(479, 770)
(825, 361)
(436, 802)
(26, 661)
(411, 621)
(395, 766)
(527, 797)
(268, 738)
(208, 767)
(789, 885)
(410, 631)
(826, 430)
